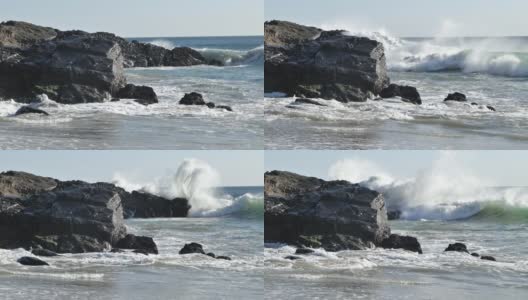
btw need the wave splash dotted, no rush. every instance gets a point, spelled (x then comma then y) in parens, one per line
(198, 182)
(493, 56)
(444, 191)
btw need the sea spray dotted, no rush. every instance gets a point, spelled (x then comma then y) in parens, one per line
(446, 190)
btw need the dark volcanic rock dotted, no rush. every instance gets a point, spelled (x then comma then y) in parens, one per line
(458, 247)
(304, 251)
(77, 218)
(395, 241)
(23, 35)
(22, 184)
(30, 110)
(475, 254)
(183, 56)
(43, 252)
(311, 212)
(141, 243)
(145, 205)
(407, 93)
(308, 101)
(192, 248)
(211, 254)
(456, 97)
(143, 94)
(488, 258)
(192, 98)
(31, 261)
(311, 63)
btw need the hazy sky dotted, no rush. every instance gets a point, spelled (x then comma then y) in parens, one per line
(236, 168)
(409, 17)
(142, 18)
(501, 168)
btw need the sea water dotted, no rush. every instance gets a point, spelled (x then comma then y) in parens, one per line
(165, 125)
(489, 71)
(237, 233)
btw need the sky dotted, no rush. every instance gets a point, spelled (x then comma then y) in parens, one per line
(142, 18)
(408, 18)
(236, 168)
(497, 168)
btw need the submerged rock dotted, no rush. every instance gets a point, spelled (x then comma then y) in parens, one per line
(292, 257)
(138, 243)
(30, 110)
(142, 94)
(31, 261)
(223, 257)
(456, 97)
(491, 108)
(484, 257)
(211, 254)
(192, 248)
(312, 63)
(334, 215)
(308, 101)
(304, 251)
(192, 98)
(458, 247)
(395, 241)
(224, 107)
(475, 254)
(407, 93)
(43, 252)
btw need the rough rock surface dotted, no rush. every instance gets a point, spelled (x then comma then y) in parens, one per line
(145, 205)
(308, 62)
(22, 35)
(192, 248)
(456, 97)
(311, 212)
(407, 93)
(21, 184)
(142, 94)
(192, 98)
(142, 243)
(395, 241)
(458, 247)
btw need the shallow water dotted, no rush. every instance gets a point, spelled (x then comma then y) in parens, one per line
(166, 125)
(398, 274)
(164, 276)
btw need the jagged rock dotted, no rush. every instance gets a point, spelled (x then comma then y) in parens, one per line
(311, 212)
(394, 215)
(71, 219)
(31, 261)
(407, 93)
(183, 56)
(138, 243)
(192, 98)
(142, 94)
(308, 101)
(21, 184)
(192, 248)
(456, 97)
(145, 205)
(458, 247)
(224, 107)
(488, 258)
(304, 251)
(22, 35)
(30, 110)
(43, 252)
(395, 241)
(311, 63)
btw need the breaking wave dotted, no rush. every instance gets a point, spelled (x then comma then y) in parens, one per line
(446, 190)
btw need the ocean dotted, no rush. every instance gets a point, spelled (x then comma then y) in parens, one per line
(495, 225)
(165, 125)
(235, 230)
(489, 71)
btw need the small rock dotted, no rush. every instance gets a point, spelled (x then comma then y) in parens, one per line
(458, 247)
(43, 252)
(228, 108)
(395, 241)
(456, 97)
(304, 251)
(407, 93)
(142, 94)
(488, 258)
(30, 110)
(210, 105)
(490, 107)
(292, 257)
(142, 243)
(474, 103)
(223, 257)
(308, 101)
(211, 254)
(192, 99)
(192, 248)
(475, 254)
(31, 261)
